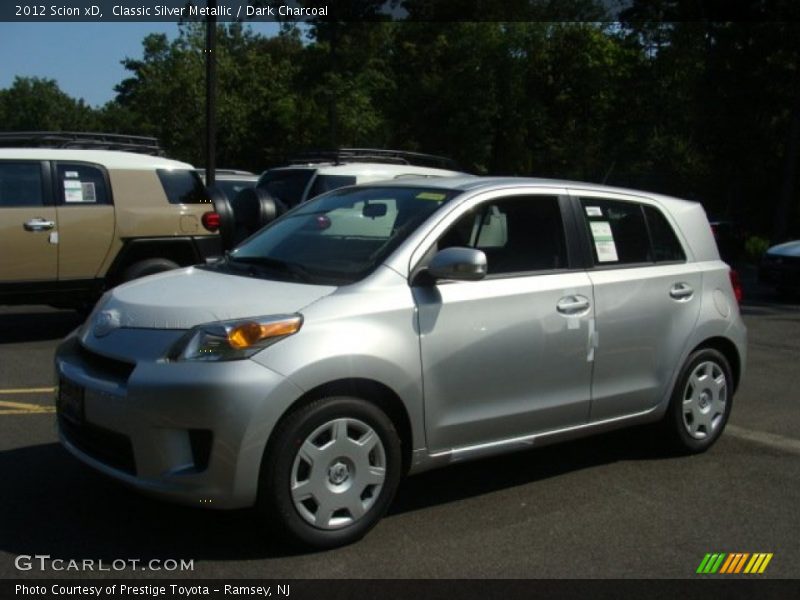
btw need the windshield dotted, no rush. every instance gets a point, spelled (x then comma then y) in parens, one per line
(340, 237)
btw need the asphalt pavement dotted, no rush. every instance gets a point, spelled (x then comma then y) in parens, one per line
(612, 506)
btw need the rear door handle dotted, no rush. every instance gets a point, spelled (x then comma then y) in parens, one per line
(38, 224)
(573, 305)
(681, 291)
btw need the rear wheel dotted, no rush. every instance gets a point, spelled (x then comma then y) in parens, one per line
(701, 402)
(330, 472)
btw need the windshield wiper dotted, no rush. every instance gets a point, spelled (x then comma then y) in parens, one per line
(297, 271)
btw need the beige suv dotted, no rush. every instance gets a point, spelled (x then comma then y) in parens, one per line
(74, 222)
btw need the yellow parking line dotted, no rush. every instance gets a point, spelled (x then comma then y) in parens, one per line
(41, 390)
(21, 408)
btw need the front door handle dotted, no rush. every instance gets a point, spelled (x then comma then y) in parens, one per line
(681, 291)
(38, 224)
(573, 305)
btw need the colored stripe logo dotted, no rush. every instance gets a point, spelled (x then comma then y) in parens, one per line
(734, 563)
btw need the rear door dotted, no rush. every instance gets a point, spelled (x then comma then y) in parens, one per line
(85, 219)
(506, 356)
(28, 225)
(647, 301)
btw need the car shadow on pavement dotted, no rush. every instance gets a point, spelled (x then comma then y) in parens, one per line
(51, 504)
(37, 325)
(472, 479)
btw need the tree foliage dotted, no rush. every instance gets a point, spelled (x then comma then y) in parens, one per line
(695, 107)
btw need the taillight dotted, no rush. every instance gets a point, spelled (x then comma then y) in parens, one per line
(210, 221)
(736, 284)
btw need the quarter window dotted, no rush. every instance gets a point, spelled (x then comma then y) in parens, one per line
(617, 231)
(517, 234)
(21, 184)
(81, 184)
(666, 247)
(182, 186)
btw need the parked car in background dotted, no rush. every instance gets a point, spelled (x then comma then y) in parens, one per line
(730, 238)
(289, 375)
(81, 212)
(313, 173)
(780, 267)
(231, 181)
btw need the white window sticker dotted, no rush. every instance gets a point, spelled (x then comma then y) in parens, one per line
(604, 241)
(594, 211)
(73, 174)
(72, 191)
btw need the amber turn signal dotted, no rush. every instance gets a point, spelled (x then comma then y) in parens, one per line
(250, 333)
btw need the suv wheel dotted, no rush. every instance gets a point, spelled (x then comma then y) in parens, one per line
(149, 266)
(331, 472)
(701, 402)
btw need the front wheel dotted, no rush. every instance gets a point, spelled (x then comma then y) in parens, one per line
(701, 402)
(330, 472)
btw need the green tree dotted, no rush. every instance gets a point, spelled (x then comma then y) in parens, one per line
(36, 104)
(256, 102)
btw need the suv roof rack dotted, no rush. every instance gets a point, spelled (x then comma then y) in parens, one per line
(397, 157)
(81, 140)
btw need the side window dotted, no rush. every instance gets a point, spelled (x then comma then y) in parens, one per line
(21, 184)
(666, 247)
(80, 184)
(617, 232)
(182, 186)
(517, 234)
(326, 183)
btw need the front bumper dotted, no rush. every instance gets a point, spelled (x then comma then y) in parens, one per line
(189, 432)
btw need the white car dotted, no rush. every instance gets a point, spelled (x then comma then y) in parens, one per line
(312, 174)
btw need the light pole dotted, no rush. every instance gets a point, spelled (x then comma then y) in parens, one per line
(211, 87)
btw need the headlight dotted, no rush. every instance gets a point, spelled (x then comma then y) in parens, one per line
(234, 340)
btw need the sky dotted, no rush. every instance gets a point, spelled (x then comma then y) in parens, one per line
(84, 58)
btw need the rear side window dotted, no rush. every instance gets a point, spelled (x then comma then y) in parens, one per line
(182, 186)
(617, 231)
(80, 184)
(666, 247)
(21, 184)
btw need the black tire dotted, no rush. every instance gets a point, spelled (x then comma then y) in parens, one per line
(695, 418)
(222, 206)
(282, 461)
(252, 209)
(149, 266)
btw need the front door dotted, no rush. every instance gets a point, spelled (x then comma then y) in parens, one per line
(28, 226)
(506, 356)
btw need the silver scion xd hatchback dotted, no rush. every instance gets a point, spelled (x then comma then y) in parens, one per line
(385, 329)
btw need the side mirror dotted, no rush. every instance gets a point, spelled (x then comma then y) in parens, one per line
(460, 264)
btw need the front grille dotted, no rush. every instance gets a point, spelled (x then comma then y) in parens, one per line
(107, 368)
(109, 447)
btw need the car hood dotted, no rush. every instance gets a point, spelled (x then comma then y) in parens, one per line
(786, 249)
(184, 298)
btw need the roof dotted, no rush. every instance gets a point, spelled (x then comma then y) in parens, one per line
(111, 159)
(387, 170)
(468, 183)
